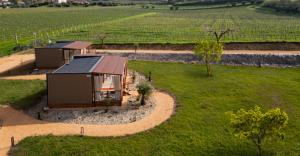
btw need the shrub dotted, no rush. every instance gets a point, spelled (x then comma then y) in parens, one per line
(144, 90)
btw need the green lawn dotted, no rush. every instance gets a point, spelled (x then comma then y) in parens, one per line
(134, 24)
(199, 126)
(20, 94)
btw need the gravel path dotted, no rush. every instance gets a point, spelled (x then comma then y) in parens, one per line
(20, 125)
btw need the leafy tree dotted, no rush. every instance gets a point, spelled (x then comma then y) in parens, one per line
(144, 90)
(209, 52)
(257, 126)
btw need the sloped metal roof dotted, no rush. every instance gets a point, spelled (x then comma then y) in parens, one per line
(111, 65)
(79, 65)
(78, 45)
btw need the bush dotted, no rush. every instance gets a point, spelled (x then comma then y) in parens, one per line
(144, 90)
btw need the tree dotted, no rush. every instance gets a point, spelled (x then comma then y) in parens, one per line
(102, 36)
(257, 126)
(219, 34)
(209, 52)
(144, 90)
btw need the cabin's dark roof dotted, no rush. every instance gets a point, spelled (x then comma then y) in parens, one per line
(79, 65)
(58, 45)
(70, 45)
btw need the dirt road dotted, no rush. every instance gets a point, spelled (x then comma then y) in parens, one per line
(249, 52)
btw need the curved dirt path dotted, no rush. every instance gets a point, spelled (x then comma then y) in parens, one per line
(25, 77)
(19, 125)
(12, 61)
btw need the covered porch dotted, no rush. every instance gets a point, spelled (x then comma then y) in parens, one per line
(109, 80)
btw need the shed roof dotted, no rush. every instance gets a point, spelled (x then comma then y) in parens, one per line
(58, 45)
(79, 65)
(111, 65)
(70, 45)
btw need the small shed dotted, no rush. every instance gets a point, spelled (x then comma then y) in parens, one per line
(55, 55)
(88, 81)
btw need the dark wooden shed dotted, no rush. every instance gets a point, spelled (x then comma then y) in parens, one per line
(55, 55)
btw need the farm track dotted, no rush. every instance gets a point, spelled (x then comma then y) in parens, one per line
(246, 52)
(21, 125)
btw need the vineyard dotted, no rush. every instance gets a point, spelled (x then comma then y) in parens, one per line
(134, 24)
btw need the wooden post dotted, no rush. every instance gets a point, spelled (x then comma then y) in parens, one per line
(81, 131)
(149, 77)
(39, 116)
(12, 141)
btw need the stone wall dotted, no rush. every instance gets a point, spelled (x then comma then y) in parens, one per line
(231, 59)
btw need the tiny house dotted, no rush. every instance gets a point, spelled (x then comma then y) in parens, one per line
(56, 55)
(88, 81)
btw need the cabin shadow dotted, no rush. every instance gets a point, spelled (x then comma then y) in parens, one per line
(28, 101)
(23, 68)
(15, 116)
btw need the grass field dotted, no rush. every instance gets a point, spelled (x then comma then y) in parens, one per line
(200, 126)
(20, 94)
(134, 24)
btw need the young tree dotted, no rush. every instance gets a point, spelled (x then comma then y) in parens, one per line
(257, 126)
(102, 36)
(144, 90)
(219, 33)
(209, 52)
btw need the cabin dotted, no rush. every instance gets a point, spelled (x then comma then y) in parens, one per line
(88, 81)
(57, 54)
